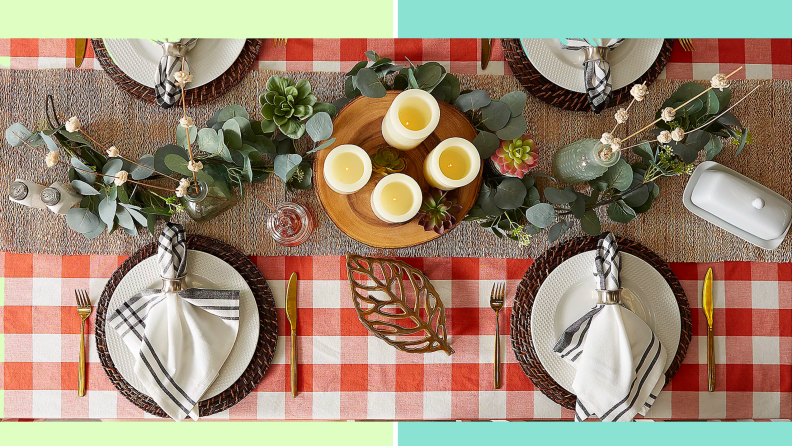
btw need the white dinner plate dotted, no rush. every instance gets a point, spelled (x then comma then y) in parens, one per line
(208, 59)
(203, 271)
(568, 293)
(628, 61)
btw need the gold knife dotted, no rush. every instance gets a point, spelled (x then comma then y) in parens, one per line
(706, 303)
(486, 51)
(291, 314)
(79, 51)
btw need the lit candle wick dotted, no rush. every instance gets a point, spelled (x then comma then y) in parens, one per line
(347, 169)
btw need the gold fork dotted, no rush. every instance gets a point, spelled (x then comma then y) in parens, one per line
(496, 302)
(84, 310)
(687, 44)
(280, 43)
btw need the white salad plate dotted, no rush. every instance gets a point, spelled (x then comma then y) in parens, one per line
(568, 293)
(203, 271)
(628, 61)
(208, 59)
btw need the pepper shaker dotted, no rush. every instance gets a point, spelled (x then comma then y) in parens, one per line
(60, 197)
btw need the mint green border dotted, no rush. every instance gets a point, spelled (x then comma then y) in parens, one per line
(592, 18)
(594, 434)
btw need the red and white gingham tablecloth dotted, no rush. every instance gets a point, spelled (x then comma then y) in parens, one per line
(346, 373)
(762, 58)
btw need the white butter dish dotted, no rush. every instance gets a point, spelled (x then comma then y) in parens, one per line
(738, 204)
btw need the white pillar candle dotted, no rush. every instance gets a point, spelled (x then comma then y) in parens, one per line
(454, 163)
(347, 169)
(412, 117)
(396, 198)
(26, 193)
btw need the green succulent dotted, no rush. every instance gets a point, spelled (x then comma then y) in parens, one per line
(387, 160)
(287, 105)
(437, 212)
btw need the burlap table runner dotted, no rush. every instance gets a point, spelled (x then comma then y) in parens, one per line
(113, 117)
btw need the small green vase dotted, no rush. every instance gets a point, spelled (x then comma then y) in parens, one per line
(208, 203)
(581, 161)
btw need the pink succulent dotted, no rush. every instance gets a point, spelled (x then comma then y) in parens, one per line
(516, 157)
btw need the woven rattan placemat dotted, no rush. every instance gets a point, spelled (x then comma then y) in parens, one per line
(113, 117)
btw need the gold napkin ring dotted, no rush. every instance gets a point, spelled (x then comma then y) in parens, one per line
(609, 297)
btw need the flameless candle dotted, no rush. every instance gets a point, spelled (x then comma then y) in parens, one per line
(454, 163)
(396, 198)
(412, 117)
(347, 169)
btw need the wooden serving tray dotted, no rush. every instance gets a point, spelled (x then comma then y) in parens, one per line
(360, 123)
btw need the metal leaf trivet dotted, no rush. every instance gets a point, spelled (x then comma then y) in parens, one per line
(398, 304)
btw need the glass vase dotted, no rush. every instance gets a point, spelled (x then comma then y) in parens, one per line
(208, 203)
(290, 224)
(582, 161)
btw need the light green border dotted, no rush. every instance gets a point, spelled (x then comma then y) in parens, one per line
(200, 18)
(216, 433)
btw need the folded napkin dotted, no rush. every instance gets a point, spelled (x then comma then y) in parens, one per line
(596, 69)
(180, 338)
(173, 54)
(619, 361)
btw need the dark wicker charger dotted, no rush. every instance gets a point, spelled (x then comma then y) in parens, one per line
(265, 347)
(541, 87)
(536, 275)
(194, 96)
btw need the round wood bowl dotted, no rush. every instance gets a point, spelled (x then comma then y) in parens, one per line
(360, 123)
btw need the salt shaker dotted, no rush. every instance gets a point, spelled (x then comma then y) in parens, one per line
(60, 197)
(26, 193)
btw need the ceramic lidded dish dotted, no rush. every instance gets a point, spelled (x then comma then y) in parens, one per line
(738, 204)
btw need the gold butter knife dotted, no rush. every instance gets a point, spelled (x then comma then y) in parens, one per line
(79, 51)
(486, 52)
(291, 314)
(706, 303)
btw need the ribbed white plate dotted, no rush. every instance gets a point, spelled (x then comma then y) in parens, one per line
(628, 61)
(203, 271)
(568, 293)
(208, 59)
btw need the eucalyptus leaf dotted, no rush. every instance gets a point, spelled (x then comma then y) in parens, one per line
(541, 215)
(514, 129)
(620, 212)
(181, 135)
(713, 104)
(743, 140)
(83, 171)
(233, 111)
(428, 76)
(232, 134)
(559, 196)
(107, 210)
(124, 218)
(285, 165)
(162, 152)
(473, 100)
(713, 147)
(578, 207)
(619, 175)
(495, 116)
(324, 107)
(323, 145)
(516, 101)
(557, 230)
(729, 119)
(83, 188)
(208, 141)
(486, 143)
(644, 150)
(510, 194)
(307, 174)
(82, 220)
(141, 173)
(49, 142)
(319, 127)
(356, 68)
(369, 84)
(96, 232)
(590, 223)
(532, 198)
(637, 197)
(17, 133)
(111, 168)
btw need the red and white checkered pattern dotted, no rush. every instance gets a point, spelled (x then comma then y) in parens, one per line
(762, 58)
(346, 373)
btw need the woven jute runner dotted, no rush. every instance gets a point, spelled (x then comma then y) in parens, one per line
(112, 117)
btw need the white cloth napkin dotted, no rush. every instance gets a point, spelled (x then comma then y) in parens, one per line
(619, 361)
(596, 73)
(180, 340)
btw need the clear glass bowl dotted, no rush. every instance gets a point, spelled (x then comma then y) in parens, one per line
(290, 224)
